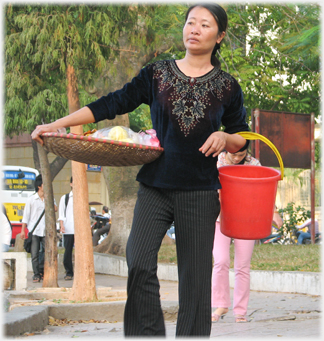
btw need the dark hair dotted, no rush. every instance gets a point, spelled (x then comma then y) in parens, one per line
(105, 209)
(220, 16)
(246, 158)
(38, 182)
(71, 180)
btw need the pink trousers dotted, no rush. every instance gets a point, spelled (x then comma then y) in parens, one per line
(243, 250)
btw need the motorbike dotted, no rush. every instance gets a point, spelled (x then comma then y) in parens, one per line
(291, 237)
(305, 227)
(98, 222)
(308, 240)
(318, 239)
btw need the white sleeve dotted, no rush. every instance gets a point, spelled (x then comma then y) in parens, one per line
(304, 224)
(62, 208)
(26, 214)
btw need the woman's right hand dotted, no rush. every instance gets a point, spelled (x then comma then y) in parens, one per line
(80, 117)
(44, 128)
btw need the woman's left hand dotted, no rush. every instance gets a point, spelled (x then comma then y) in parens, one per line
(215, 144)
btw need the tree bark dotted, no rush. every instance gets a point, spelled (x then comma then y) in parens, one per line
(122, 188)
(84, 286)
(56, 165)
(50, 261)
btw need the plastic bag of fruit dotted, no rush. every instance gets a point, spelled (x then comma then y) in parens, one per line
(125, 134)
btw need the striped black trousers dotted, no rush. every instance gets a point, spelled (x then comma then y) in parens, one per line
(194, 214)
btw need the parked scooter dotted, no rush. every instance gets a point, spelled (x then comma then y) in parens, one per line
(99, 222)
(318, 239)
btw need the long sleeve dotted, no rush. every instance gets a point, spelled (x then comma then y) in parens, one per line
(62, 209)
(234, 118)
(125, 100)
(27, 212)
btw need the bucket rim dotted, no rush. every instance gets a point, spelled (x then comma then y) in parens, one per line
(268, 178)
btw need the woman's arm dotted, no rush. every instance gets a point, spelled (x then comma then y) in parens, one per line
(219, 140)
(80, 117)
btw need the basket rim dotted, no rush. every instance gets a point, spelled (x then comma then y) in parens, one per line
(100, 140)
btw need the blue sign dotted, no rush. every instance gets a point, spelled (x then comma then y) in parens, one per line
(94, 168)
(14, 175)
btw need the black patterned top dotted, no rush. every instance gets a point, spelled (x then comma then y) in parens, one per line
(184, 112)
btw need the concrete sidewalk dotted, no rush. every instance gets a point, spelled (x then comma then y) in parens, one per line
(272, 314)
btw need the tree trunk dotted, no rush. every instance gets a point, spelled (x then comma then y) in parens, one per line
(50, 262)
(84, 286)
(122, 188)
(56, 165)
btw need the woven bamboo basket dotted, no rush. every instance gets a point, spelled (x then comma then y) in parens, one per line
(98, 151)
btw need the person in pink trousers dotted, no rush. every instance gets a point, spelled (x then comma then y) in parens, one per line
(243, 250)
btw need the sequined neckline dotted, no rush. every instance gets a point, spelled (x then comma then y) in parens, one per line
(203, 78)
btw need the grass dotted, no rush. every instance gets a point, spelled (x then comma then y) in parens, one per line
(268, 257)
(271, 257)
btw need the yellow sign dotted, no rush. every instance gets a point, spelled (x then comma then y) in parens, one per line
(16, 184)
(14, 211)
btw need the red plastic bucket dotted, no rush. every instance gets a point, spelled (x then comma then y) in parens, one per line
(247, 200)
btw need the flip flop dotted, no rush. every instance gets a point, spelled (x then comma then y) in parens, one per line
(215, 317)
(241, 319)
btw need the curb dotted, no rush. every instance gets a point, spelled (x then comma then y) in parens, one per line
(295, 282)
(261, 280)
(35, 318)
(26, 320)
(29, 319)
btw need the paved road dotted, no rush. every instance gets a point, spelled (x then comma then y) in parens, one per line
(272, 315)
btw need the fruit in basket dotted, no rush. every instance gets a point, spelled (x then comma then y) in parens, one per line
(117, 133)
(127, 140)
(89, 132)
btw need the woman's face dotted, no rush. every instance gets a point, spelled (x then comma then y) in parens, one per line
(236, 158)
(200, 32)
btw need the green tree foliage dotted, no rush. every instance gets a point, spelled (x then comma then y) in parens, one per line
(42, 40)
(274, 52)
(292, 216)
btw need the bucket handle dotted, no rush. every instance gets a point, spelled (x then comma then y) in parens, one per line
(249, 135)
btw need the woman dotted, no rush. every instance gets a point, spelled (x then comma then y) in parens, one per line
(243, 252)
(189, 99)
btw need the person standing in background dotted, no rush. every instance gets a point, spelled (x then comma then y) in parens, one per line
(66, 219)
(34, 207)
(105, 212)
